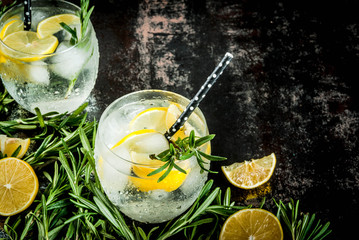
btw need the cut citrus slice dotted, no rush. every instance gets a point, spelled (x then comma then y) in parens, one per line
(133, 137)
(250, 174)
(147, 183)
(18, 186)
(10, 27)
(51, 25)
(252, 223)
(27, 42)
(151, 118)
(9, 145)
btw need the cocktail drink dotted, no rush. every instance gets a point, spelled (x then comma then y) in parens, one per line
(131, 131)
(48, 67)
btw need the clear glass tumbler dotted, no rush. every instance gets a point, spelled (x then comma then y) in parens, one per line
(123, 172)
(60, 81)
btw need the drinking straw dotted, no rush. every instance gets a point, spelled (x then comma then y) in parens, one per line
(27, 15)
(199, 96)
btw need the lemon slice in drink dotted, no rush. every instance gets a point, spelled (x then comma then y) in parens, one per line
(18, 186)
(141, 144)
(147, 183)
(250, 174)
(151, 118)
(9, 145)
(14, 25)
(51, 25)
(253, 223)
(27, 42)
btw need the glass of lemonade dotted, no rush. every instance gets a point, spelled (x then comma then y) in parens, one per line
(130, 130)
(44, 67)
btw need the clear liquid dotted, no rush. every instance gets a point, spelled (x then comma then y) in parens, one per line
(115, 174)
(55, 83)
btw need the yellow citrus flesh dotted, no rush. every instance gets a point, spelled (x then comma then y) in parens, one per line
(51, 25)
(133, 136)
(151, 118)
(9, 145)
(147, 183)
(18, 186)
(250, 174)
(141, 144)
(29, 45)
(11, 27)
(252, 223)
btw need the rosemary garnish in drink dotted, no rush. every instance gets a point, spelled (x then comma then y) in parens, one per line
(183, 149)
(84, 14)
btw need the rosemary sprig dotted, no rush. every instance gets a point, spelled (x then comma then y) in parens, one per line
(4, 8)
(301, 226)
(84, 14)
(5, 99)
(183, 149)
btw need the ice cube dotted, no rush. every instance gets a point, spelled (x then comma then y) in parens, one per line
(37, 73)
(68, 61)
(65, 36)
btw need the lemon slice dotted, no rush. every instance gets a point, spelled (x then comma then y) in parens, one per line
(133, 137)
(253, 223)
(151, 118)
(147, 183)
(250, 174)
(9, 145)
(51, 25)
(27, 42)
(10, 27)
(18, 186)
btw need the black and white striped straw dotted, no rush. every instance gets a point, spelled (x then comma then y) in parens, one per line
(199, 96)
(27, 15)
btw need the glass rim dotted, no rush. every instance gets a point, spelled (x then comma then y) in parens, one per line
(11, 50)
(109, 107)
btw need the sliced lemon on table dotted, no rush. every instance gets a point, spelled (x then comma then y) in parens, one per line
(250, 174)
(12, 26)
(9, 145)
(151, 118)
(51, 25)
(253, 223)
(18, 186)
(27, 43)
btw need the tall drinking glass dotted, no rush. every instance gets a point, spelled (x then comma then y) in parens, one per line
(62, 77)
(131, 130)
